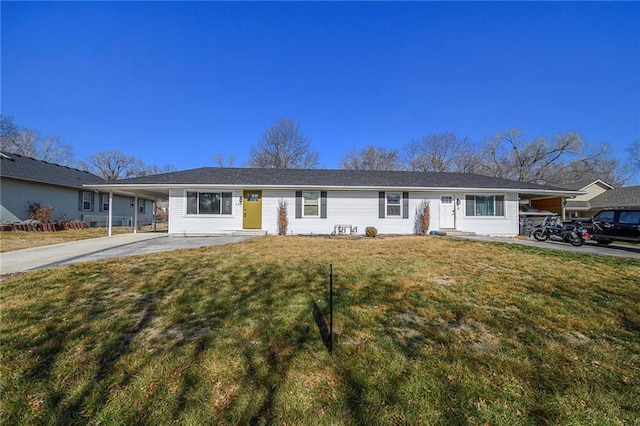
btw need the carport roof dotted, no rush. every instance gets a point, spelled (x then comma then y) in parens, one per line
(325, 178)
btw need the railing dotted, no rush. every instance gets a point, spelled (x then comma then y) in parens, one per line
(102, 221)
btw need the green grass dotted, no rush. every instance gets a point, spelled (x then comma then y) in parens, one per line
(428, 330)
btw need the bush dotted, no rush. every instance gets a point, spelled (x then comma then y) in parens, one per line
(423, 218)
(43, 214)
(371, 232)
(283, 220)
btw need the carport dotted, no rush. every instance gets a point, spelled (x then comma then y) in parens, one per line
(134, 191)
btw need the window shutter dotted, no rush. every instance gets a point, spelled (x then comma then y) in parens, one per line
(80, 200)
(405, 205)
(323, 205)
(381, 205)
(298, 204)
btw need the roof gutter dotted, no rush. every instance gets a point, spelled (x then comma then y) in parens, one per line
(164, 188)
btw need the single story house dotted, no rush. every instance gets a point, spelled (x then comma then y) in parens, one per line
(215, 200)
(24, 180)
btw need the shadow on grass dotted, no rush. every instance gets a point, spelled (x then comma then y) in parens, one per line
(110, 353)
(325, 334)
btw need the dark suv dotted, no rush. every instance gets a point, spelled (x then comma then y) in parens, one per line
(616, 225)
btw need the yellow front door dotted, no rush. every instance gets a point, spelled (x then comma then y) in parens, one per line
(252, 210)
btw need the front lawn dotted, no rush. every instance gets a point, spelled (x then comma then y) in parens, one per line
(18, 240)
(428, 330)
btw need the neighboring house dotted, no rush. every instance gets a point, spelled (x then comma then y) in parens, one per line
(617, 198)
(220, 200)
(578, 206)
(24, 180)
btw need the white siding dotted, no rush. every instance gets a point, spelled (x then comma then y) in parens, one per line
(356, 208)
(349, 207)
(181, 223)
(486, 225)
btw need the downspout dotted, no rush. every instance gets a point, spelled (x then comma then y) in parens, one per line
(110, 216)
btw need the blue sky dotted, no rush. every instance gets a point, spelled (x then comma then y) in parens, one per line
(178, 82)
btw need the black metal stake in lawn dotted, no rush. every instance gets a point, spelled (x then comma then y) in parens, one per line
(330, 308)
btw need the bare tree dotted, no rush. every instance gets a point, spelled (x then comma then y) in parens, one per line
(595, 162)
(509, 156)
(222, 160)
(371, 158)
(29, 143)
(634, 151)
(8, 133)
(112, 165)
(154, 169)
(283, 145)
(562, 160)
(440, 152)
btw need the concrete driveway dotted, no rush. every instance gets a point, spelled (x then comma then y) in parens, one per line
(617, 250)
(104, 248)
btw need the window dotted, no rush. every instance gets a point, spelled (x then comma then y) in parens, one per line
(141, 206)
(605, 216)
(209, 202)
(393, 203)
(311, 205)
(630, 217)
(86, 203)
(484, 205)
(104, 202)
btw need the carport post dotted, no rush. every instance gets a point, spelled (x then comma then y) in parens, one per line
(135, 215)
(153, 215)
(110, 216)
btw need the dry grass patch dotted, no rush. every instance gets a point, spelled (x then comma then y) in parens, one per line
(18, 240)
(429, 330)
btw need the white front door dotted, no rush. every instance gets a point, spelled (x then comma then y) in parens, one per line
(447, 212)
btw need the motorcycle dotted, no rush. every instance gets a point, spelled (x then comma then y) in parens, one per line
(552, 228)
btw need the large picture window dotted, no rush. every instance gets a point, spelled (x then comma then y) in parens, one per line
(311, 203)
(484, 205)
(209, 202)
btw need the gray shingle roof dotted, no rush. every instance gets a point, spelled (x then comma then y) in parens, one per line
(628, 196)
(25, 168)
(329, 178)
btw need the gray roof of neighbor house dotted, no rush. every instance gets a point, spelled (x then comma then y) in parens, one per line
(25, 168)
(628, 196)
(581, 184)
(325, 178)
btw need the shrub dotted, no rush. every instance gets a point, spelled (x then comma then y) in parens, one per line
(423, 218)
(43, 214)
(283, 220)
(371, 232)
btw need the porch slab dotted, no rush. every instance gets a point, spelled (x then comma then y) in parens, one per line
(454, 233)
